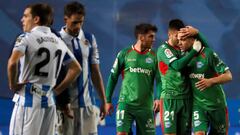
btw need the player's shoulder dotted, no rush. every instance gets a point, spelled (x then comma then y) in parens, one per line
(163, 46)
(21, 37)
(124, 51)
(209, 51)
(153, 52)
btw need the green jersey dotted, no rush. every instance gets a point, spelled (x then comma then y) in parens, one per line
(174, 82)
(138, 72)
(207, 65)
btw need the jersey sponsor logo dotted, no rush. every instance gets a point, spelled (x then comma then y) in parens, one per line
(38, 91)
(199, 64)
(129, 60)
(46, 39)
(149, 60)
(168, 53)
(140, 70)
(197, 123)
(196, 76)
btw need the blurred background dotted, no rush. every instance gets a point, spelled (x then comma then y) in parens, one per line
(113, 21)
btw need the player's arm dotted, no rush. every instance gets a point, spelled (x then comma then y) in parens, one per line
(13, 70)
(18, 51)
(224, 74)
(221, 79)
(96, 77)
(98, 83)
(112, 80)
(73, 71)
(180, 63)
(156, 104)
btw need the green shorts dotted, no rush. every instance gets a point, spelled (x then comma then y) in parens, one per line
(125, 116)
(175, 116)
(217, 120)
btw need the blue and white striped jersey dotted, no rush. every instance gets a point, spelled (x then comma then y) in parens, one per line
(81, 91)
(44, 53)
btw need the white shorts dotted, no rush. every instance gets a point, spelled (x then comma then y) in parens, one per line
(32, 120)
(85, 122)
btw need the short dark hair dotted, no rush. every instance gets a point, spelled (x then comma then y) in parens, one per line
(74, 8)
(176, 24)
(144, 28)
(44, 11)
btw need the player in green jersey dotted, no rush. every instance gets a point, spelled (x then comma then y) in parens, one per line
(176, 101)
(138, 65)
(207, 72)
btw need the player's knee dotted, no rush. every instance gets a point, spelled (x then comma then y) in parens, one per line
(199, 133)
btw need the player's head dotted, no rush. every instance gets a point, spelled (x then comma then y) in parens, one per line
(173, 27)
(146, 33)
(74, 13)
(37, 15)
(185, 44)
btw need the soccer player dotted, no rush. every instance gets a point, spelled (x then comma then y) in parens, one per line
(40, 54)
(85, 49)
(176, 101)
(138, 65)
(207, 72)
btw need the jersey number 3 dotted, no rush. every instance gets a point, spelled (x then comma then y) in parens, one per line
(45, 61)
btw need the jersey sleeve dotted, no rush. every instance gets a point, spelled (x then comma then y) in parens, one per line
(219, 66)
(113, 78)
(158, 83)
(68, 57)
(21, 43)
(95, 52)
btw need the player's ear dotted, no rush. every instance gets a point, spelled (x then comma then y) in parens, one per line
(65, 19)
(36, 20)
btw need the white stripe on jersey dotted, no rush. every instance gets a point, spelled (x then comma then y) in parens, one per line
(44, 54)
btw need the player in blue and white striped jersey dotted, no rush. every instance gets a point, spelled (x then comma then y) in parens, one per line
(84, 47)
(40, 54)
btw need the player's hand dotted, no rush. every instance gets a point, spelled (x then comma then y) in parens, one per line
(68, 111)
(203, 84)
(156, 106)
(16, 87)
(110, 108)
(103, 111)
(197, 45)
(187, 31)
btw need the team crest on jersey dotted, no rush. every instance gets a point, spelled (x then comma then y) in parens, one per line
(168, 53)
(18, 40)
(149, 60)
(199, 64)
(86, 42)
(150, 123)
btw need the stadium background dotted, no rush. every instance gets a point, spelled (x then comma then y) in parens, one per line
(113, 21)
